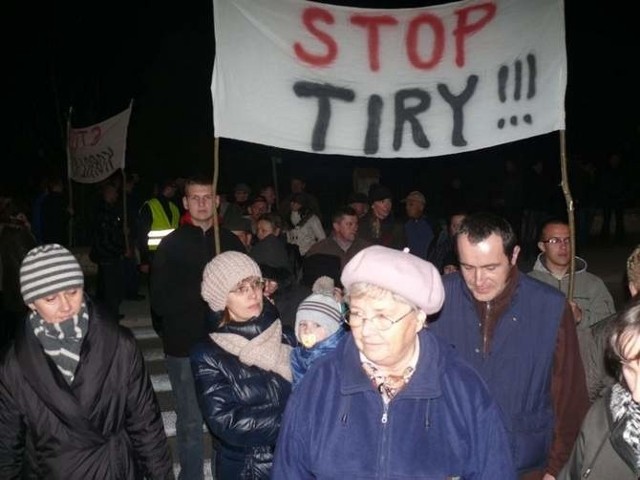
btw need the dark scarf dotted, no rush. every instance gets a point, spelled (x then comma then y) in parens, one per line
(62, 341)
(624, 409)
(302, 357)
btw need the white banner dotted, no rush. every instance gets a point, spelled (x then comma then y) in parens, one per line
(97, 151)
(417, 82)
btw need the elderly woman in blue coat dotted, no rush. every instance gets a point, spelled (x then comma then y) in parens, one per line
(392, 400)
(242, 372)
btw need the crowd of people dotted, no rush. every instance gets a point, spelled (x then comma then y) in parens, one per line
(366, 343)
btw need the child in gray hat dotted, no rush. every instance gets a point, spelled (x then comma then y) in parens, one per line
(319, 326)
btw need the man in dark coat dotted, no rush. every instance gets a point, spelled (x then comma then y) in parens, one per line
(175, 280)
(76, 401)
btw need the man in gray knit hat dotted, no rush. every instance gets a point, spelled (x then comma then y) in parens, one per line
(74, 384)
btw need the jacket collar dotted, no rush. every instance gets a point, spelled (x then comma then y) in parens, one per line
(96, 358)
(540, 266)
(425, 382)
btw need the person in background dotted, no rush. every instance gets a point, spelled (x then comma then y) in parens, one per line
(242, 371)
(359, 202)
(343, 242)
(299, 189)
(521, 336)
(76, 400)
(599, 375)
(16, 239)
(56, 213)
(269, 194)
(241, 228)
(306, 228)
(271, 225)
(319, 326)
(131, 263)
(175, 280)
(379, 226)
(392, 386)
(158, 216)
(108, 248)
(417, 228)
(241, 194)
(256, 208)
(444, 254)
(608, 446)
(591, 300)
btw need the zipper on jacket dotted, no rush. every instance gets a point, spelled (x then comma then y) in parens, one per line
(607, 436)
(385, 413)
(485, 331)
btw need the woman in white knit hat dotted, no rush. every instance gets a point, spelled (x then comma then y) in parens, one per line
(76, 401)
(242, 373)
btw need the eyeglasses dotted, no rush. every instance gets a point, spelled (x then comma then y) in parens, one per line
(557, 241)
(380, 322)
(247, 286)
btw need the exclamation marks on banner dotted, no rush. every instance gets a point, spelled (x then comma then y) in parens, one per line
(503, 83)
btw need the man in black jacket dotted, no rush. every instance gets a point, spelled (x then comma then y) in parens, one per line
(175, 279)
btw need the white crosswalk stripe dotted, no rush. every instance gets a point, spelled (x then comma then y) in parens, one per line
(161, 385)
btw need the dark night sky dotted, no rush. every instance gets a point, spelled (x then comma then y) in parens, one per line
(98, 56)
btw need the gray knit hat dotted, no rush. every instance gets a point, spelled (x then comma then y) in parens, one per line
(222, 274)
(320, 307)
(49, 269)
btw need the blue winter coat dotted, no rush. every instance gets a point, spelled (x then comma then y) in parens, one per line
(443, 424)
(519, 368)
(242, 405)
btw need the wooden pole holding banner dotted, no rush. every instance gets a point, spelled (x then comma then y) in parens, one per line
(69, 182)
(125, 223)
(216, 164)
(274, 175)
(570, 211)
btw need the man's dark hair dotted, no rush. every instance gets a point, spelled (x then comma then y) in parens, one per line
(479, 226)
(273, 218)
(342, 211)
(551, 221)
(198, 179)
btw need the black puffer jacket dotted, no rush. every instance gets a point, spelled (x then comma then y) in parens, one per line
(242, 405)
(106, 425)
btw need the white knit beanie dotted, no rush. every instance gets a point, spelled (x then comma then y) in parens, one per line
(49, 269)
(222, 274)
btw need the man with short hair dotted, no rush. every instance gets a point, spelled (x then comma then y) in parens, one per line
(343, 242)
(520, 335)
(175, 294)
(257, 207)
(591, 300)
(417, 228)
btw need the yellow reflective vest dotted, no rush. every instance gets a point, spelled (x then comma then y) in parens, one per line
(161, 225)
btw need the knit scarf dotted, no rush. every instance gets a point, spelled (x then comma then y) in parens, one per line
(622, 405)
(62, 341)
(302, 357)
(265, 351)
(390, 385)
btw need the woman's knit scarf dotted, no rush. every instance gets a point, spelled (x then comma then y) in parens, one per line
(62, 341)
(302, 357)
(622, 405)
(265, 351)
